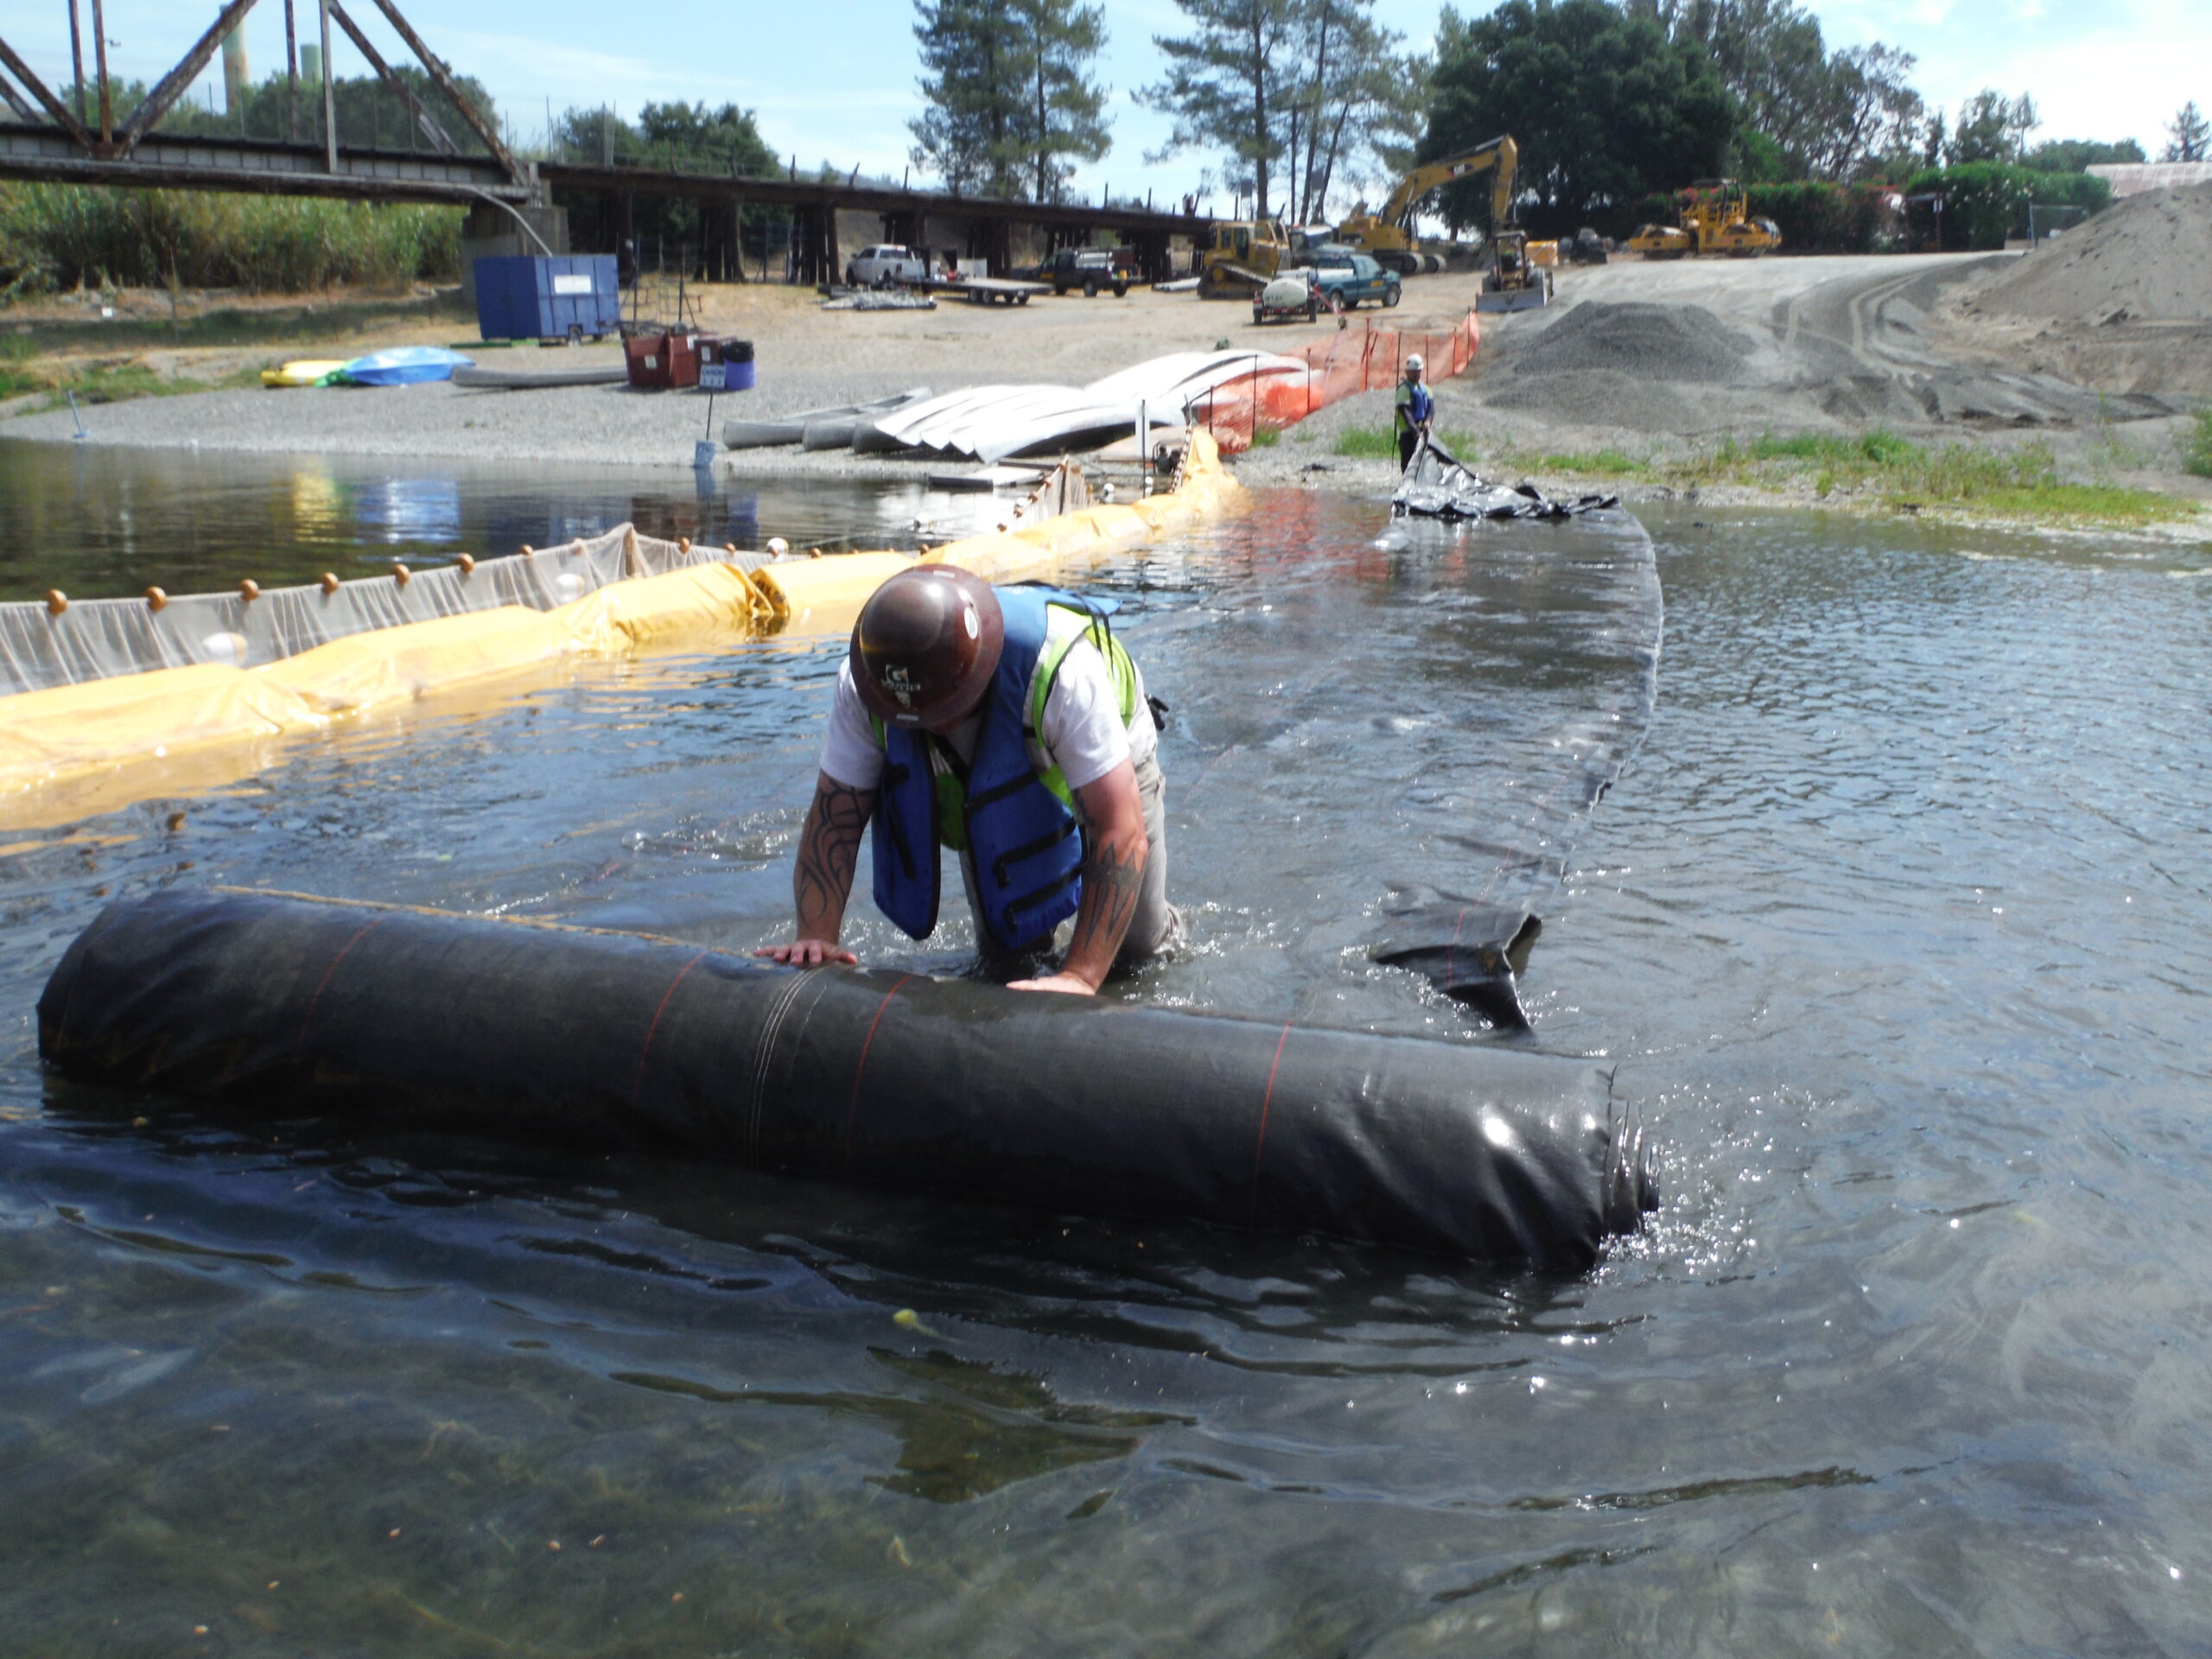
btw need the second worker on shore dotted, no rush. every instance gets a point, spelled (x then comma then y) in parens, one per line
(1008, 724)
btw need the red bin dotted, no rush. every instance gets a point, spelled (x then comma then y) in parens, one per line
(658, 362)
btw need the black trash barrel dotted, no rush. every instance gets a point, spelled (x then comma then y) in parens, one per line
(900, 1081)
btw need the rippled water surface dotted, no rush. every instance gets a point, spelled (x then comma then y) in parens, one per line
(1897, 928)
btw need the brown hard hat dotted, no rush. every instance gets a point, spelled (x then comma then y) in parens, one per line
(927, 645)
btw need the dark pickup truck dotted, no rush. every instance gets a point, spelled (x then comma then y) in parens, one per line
(1088, 269)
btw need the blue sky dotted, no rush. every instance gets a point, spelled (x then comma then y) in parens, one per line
(834, 80)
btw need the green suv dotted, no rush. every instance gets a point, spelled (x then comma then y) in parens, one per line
(1347, 276)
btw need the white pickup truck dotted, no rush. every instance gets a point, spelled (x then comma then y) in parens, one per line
(887, 262)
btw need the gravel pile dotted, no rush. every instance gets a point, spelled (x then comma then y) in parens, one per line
(1682, 343)
(2146, 258)
(1607, 398)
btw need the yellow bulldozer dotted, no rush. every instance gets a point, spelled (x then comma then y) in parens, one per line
(1388, 235)
(1714, 216)
(1241, 257)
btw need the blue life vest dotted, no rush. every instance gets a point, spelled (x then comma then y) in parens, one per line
(1415, 404)
(1017, 824)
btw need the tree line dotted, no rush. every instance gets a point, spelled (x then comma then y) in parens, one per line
(1298, 102)
(1614, 105)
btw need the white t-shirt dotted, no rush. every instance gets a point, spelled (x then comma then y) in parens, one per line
(1082, 732)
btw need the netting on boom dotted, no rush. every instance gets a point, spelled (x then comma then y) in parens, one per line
(1350, 361)
(44, 644)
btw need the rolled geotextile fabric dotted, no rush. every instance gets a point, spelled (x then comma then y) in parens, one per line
(897, 1081)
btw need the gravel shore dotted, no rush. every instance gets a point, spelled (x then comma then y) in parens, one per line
(1657, 360)
(805, 358)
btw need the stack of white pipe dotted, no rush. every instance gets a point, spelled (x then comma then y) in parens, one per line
(992, 423)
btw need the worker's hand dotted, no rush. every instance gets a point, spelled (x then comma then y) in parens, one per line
(1067, 984)
(809, 953)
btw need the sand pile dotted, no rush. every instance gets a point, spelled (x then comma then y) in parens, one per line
(2146, 258)
(1686, 344)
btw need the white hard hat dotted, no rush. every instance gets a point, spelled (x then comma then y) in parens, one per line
(1413, 360)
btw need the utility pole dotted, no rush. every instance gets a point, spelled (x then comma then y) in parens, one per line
(291, 73)
(329, 99)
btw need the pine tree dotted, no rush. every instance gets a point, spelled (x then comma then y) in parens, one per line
(970, 135)
(2191, 136)
(1358, 100)
(1231, 84)
(1010, 92)
(1064, 109)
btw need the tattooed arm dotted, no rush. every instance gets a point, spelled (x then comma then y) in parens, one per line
(1115, 851)
(823, 879)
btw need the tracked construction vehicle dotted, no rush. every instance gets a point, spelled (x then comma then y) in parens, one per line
(1714, 216)
(1388, 234)
(1244, 256)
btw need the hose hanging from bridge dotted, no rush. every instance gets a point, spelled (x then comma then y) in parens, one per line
(1072, 1105)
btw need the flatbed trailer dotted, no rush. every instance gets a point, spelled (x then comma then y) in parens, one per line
(985, 290)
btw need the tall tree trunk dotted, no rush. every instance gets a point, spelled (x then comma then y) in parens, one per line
(998, 114)
(1259, 116)
(1043, 133)
(1336, 136)
(1310, 208)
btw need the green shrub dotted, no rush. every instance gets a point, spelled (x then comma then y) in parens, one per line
(1985, 202)
(2197, 444)
(1818, 218)
(66, 235)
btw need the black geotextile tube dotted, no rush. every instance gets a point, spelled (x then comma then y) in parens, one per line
(608, 1039)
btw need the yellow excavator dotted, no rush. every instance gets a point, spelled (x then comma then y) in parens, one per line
(1388, 235)
(1241, 257)
(1714, 216)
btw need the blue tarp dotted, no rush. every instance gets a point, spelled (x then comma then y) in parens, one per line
(403, 366)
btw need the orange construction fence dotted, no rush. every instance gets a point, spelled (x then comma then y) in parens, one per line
(1351, 360)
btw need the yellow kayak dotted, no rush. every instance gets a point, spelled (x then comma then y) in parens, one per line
(307, 371)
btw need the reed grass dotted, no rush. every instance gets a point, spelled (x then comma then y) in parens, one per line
(2195, 444)
(61, 236)
(1878, 468)
(1367, 443)
(2022, 482)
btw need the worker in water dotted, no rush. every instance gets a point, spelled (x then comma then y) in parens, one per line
(1010, 725)
(1416, 411)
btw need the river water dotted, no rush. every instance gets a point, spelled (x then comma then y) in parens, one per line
(1897, 928)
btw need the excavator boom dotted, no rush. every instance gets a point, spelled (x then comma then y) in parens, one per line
(1501, 154)
(1389, 234)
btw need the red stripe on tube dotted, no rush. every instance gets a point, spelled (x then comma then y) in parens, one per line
(637, 1089)
(853, 1111)
(1259, 1140)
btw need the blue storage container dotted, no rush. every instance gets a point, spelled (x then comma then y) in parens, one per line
(725, 363)
(526, 297)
